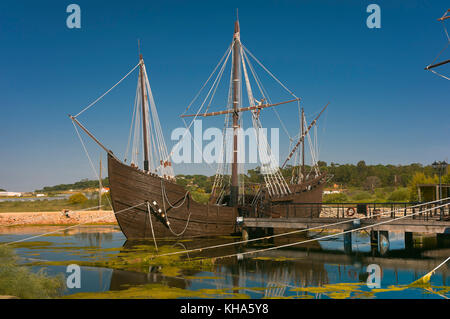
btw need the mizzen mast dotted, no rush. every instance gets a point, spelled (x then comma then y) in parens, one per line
(302, 137)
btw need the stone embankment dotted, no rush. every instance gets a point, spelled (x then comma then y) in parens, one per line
(58, 218)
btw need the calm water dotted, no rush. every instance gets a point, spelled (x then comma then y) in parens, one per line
(321, 269)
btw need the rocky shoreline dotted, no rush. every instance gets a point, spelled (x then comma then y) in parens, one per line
(58, 218)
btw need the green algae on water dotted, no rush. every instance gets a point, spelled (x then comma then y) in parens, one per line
(158, 291)
(138, 258)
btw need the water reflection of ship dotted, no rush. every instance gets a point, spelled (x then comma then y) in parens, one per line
(277, 271)
(122, 279)
(96, 236)
(263, 271)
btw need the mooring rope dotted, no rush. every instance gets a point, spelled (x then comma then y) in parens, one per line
(151, 225)
(70, 227)
(299, 231)
(163, 191)
(164, 197)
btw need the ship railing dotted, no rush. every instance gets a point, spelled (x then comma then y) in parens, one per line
(342, 210)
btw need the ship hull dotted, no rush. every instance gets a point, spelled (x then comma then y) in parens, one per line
(170, 212)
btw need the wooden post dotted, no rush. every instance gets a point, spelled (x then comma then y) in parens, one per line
(374, 241)
(348, 242)
(442, 240)
(409, 241)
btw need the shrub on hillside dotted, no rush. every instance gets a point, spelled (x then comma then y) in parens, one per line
(77, 198)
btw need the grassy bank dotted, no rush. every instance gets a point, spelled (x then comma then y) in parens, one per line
(48, 206)
(19, 281)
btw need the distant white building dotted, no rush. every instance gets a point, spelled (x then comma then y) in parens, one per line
(40, 195)
(10, 194)
(331, 192)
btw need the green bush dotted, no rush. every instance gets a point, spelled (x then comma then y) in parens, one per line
(77, 198)
(200, 197)
(362, 196)
(335, 198)
(399, 195)
(419, 178)
(19, 281)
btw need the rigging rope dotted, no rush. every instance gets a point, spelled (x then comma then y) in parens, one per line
(212, 73)
(132, 122)
(264, 93)
(90, 160)
(227, 54)
(98, 99)
(448, 42)
(270, 73)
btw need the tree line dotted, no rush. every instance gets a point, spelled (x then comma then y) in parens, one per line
(360, 175)
(83, 184)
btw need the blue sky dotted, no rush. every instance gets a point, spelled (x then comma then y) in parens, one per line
(384, 107)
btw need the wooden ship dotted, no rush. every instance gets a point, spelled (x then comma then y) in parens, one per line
(148, 202)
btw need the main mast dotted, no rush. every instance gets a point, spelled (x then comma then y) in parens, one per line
(236, 75)
(144, 112)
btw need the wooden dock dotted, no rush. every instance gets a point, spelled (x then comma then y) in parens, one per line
(434, 226)
(431, 217)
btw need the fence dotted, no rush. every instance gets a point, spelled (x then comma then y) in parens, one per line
(349, 210)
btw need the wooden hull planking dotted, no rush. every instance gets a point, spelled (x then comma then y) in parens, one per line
(130, 186)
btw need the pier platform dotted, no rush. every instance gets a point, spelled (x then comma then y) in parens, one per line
(407, 224)
(432, 217)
